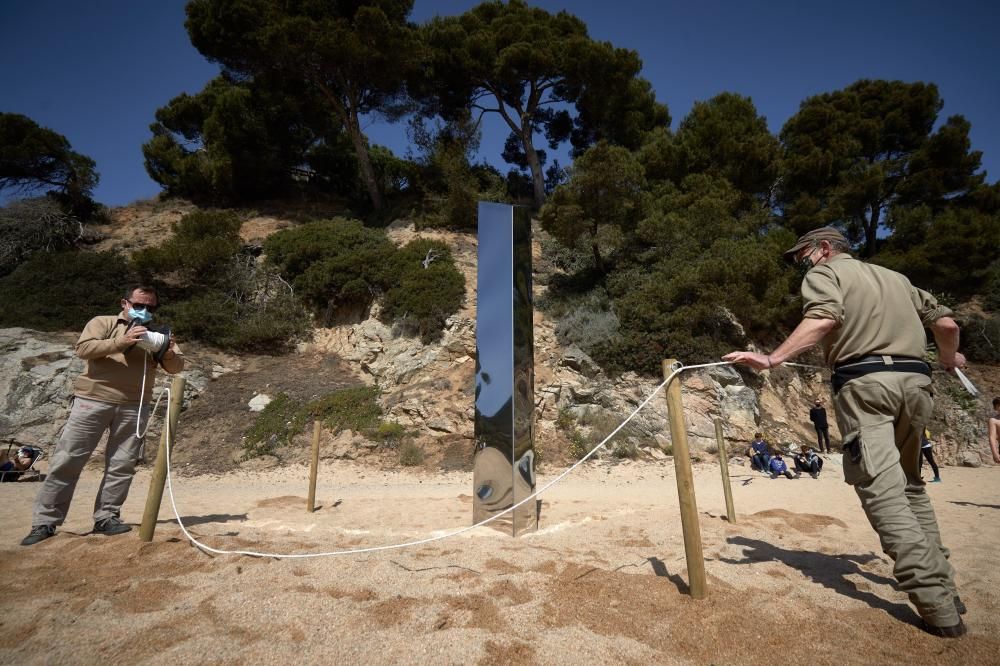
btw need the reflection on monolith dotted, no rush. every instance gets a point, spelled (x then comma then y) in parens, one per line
(504, 465)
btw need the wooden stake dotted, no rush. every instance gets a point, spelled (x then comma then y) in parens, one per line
(311, 502)
(724, 464)
(155, 495)
(685, 486)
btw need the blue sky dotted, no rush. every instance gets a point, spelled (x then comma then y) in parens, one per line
(97, 71)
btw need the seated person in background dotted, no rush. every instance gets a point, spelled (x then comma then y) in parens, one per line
(760, 453)
(10, 470)
(778, 466)
(806, 460)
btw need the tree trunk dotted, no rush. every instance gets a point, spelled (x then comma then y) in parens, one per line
(537, 177)
(598, 259)
(365, 163)
(871, 230)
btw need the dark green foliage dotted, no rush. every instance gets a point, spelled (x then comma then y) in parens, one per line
(981, 338)
(348, 409)
(333, 264)
(426, 289)
(853, 154)
(519, 62)
(199, 252)
(600, 204)
(55, 291)
(703, 278)
(34, 225)
(224, 298)
(269, 325)
(723, 137)
(243, 141)
(339, 267)
(954, 251)
(34, 158)
(450, 184)
(353, 57)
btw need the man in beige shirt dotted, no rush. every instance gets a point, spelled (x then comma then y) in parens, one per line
(870, 322)
(113, 394)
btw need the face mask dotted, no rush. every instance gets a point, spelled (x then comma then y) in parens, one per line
(805, 264)
(144, 316)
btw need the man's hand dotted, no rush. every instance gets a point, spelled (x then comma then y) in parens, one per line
(134, 334)
(951, 361)
(755, 361)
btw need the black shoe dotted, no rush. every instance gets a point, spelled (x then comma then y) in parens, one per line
(953, 631)
(38, 533)
(111, 526)
(960, 606)
(814, 475)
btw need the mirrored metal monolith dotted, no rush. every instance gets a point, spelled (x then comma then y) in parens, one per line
(504, 463)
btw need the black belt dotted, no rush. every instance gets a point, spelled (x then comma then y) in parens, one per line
(859, 367)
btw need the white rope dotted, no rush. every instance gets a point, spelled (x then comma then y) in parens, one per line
(142, 394)
(406, 544)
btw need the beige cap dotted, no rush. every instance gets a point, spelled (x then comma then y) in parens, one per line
(831, 234)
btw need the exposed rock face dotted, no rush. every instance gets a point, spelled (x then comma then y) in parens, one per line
(37, 371)
(36, 382)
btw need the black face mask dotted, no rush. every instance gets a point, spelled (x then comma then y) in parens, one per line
(805, 264)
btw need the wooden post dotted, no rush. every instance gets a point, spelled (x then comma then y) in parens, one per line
(685, 485)
(311, 502)
(724, 464)
(155, 494)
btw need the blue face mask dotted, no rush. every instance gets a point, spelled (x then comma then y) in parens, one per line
(144, 316)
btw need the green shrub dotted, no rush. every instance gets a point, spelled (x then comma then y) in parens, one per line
(55, 291)
(274, 426)
(410, 454)
(390, 433)
(333, 264)
(354, 408)
(270, 325)
(586, 320)
(199, 253)
(427, 289)
(34, 225)
(981, 338)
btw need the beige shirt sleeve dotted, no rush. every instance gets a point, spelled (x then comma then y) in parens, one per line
(822, 297)
(96, 340)
(928, 307)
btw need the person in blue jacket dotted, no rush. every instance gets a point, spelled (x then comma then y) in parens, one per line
(778, 466)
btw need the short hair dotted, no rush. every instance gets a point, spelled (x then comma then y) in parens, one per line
(758, 434)
(996, 403)
(134, 287)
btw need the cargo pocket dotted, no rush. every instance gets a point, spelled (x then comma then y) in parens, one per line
(868, 452)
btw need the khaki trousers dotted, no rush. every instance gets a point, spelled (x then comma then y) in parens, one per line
(88, 420)
(882, 416)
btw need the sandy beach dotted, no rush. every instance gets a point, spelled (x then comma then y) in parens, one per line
(799, 578)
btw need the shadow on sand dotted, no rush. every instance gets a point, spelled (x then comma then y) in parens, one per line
(830, 571)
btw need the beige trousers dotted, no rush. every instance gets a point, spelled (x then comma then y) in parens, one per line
(881, 416)
(88, 420)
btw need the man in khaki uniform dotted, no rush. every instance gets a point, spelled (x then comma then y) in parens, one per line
(109, 396)
(870, 321)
